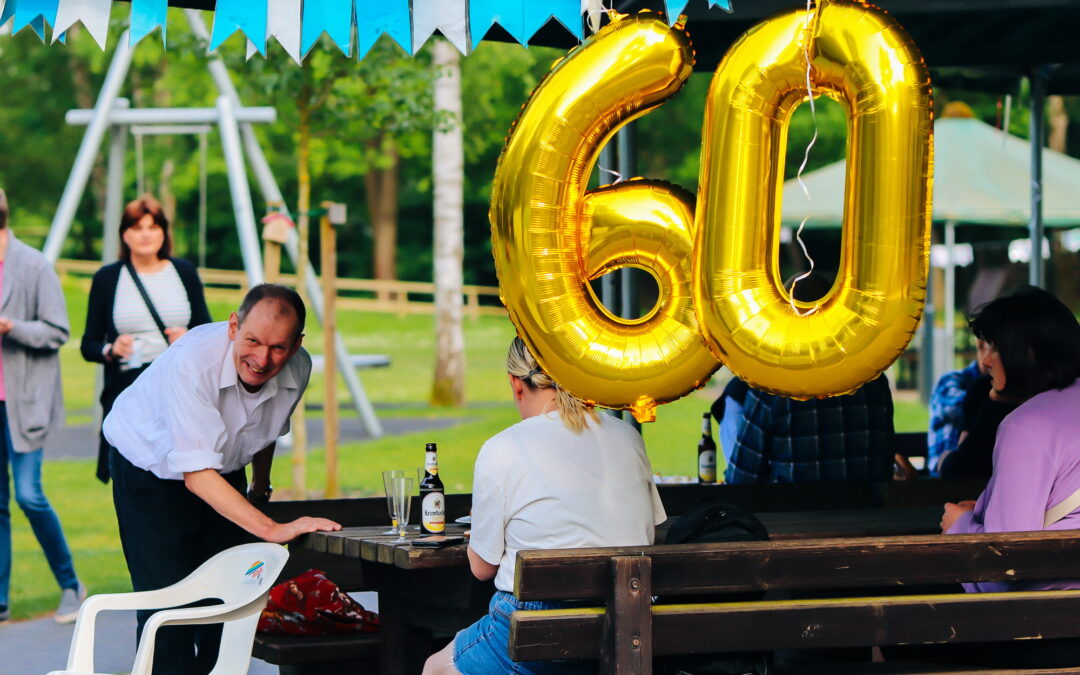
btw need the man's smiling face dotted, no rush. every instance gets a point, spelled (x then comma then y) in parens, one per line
(264, 342)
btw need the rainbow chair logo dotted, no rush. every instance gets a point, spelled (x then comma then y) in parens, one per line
(254, 573)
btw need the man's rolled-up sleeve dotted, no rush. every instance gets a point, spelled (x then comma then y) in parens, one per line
(197, 430)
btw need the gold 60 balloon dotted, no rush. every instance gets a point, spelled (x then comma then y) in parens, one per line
(721, 298)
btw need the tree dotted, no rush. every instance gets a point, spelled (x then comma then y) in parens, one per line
(448, 172)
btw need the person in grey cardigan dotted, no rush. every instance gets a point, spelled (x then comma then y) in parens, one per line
(33, 326)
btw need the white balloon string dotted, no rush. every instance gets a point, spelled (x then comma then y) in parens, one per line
(594, 9)
(613, 172)
(802, 167)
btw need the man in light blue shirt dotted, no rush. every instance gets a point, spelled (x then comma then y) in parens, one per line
(211, 404)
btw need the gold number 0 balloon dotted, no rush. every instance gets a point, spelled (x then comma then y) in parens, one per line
(549, 237)
(862, 58)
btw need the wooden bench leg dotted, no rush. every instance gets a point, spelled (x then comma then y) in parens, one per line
(627, 646)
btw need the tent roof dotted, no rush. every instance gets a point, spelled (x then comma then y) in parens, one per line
(981, 175)
(978, 44)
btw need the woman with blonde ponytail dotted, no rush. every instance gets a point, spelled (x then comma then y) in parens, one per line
(563, 477)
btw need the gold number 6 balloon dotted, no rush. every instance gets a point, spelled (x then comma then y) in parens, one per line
(549, 237)
(718, 280)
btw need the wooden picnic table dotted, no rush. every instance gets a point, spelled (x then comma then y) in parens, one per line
(425, 593)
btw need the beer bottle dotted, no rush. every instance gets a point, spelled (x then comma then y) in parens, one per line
(432, 495)
(706, 452)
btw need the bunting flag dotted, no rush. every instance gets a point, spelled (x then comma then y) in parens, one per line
(675, 7)
(94, 15)
(146, 15)
(507, 13)
(297, 25)
(333, 17)
(283, 23)
(568, 13)
(34, 13)
(375, 17)
(247, 16)
(449, 17)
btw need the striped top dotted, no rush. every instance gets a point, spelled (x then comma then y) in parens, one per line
(131, 316)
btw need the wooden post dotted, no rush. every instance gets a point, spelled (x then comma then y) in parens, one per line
(275, 233)
(299, 420)
(627, 641)
(334, 214)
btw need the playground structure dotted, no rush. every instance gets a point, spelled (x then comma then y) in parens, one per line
(234, 124)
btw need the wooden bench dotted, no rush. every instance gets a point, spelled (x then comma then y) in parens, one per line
(318, 654)
(625, 630)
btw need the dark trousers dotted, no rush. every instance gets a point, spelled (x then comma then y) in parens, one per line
(115, 383)
(167, 532)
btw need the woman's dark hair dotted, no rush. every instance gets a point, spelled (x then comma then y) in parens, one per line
(134, 212)
(1037, 338)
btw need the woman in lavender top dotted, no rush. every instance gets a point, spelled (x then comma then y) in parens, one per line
(1034, 360)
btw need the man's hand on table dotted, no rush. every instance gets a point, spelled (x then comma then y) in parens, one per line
(281, 533)
(953, 512)
(208, 485)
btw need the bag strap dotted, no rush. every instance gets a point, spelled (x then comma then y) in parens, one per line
(1061, 510)
(146, 298)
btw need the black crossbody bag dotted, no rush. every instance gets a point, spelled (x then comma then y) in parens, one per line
(146, 298)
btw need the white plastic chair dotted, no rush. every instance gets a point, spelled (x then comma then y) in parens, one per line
(241, 577)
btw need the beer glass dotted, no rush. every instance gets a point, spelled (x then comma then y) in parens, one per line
(401, 489)
(386, 477)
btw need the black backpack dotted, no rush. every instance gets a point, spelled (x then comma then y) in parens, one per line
(715, 522)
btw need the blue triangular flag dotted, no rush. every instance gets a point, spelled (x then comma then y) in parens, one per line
(34, 13)
(375, 17)
(7, 10)
(510, 14)
(247, 16)
(146, 15)
(568, 12)
(333, 17)
(675, 8)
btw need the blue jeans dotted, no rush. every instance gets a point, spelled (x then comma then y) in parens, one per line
(26, 472)
(482, 648)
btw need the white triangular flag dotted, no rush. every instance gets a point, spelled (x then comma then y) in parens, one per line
(94, 15)
(283, 19)
(450, 17)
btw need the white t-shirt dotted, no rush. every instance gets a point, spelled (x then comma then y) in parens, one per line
(131, 316)
(538, 485)
(188, 410)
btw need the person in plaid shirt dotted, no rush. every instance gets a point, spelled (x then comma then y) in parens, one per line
(838, 438)
(947, 409)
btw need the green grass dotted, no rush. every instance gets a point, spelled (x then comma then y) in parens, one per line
(85, 505)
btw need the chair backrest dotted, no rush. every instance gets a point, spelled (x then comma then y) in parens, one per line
(241, 573)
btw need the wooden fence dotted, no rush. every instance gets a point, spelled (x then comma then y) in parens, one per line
(365, 295)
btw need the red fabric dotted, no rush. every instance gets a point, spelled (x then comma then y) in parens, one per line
(311, 604)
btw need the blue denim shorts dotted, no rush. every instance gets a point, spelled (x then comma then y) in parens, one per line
(483, 648)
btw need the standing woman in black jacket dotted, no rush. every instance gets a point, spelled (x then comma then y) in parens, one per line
(139, 305)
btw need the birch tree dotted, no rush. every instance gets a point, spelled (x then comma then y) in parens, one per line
(448, 185)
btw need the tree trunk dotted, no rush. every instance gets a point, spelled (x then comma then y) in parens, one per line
(448, 169)
(303, 206)
(381, 185)
(1059, 123)
(1065, 276)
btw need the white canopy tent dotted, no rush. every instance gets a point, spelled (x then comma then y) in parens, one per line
(982, 175)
